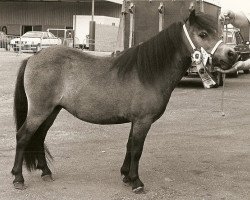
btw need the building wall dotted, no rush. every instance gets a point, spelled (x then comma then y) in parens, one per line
(146, 17)
(105, 37)
(50, 14)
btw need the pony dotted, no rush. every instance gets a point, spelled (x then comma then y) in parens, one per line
(133, 87)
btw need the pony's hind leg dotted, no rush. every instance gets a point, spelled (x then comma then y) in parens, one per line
(42, 149)
(24, 136)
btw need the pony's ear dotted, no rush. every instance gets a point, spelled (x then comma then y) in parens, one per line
(191, 17)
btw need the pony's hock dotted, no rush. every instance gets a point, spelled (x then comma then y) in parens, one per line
(133, 87)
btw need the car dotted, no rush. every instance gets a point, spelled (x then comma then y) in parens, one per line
(216, 76)
(4, 40)
(34, 41)
(67, 36)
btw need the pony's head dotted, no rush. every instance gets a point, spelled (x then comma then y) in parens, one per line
(202, 31)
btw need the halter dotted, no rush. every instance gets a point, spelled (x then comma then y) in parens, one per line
(200, 55)
(200, 58)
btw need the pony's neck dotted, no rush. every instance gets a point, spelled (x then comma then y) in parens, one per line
(164, 54)
(176, 65)
(159, 58)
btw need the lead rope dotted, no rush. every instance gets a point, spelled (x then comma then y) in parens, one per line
(223, 75)
(222, 95)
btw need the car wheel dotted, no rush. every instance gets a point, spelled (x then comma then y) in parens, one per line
(16, 49)
(38, 48)
(218, 79)
(7, 47)
(246, 71)
(235, 74)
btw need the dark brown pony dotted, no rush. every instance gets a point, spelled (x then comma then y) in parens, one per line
(133, 87)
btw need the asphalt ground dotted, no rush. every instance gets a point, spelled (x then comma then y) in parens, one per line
(192, 152)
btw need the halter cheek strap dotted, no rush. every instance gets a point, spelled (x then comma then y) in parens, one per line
(188, 37)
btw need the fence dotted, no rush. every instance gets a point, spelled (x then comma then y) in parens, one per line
(5, 42)
(105, 41)
(18, 45)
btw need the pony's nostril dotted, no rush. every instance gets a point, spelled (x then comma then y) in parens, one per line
(231, 54)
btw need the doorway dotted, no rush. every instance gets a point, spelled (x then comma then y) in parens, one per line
(31, 28)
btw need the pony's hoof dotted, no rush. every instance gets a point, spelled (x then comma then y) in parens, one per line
(19, 186)
(138, 190)
(126, 180)
(47, 178)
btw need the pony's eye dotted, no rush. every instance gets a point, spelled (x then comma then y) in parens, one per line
(203, 35)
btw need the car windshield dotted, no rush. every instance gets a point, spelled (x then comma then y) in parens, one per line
(229, 37)
(33, 34)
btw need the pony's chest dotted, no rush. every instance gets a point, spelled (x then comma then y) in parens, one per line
(150, 103)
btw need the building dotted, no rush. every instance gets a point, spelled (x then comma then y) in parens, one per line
(39, 15)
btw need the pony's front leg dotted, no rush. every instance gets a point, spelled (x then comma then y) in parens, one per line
(139, 133)
(126, 163)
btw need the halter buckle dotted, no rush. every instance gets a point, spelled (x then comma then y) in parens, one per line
(197, 57)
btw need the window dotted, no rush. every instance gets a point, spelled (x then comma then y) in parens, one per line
(31, 28)
(51, 35)
(45, 35)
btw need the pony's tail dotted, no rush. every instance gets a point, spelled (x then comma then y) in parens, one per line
(36, 145)
(20, 98)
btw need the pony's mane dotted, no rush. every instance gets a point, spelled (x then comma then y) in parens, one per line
(149, 59)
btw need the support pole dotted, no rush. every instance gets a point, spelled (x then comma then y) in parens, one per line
(161, 16)
(132, 24)
(92, 29)
(120, 43)
(123, 25)
(20, 41)
(201, 6)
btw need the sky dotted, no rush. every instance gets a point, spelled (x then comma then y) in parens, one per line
(117, 1)
(243, 5)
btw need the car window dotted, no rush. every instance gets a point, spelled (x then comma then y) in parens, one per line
(229, 37)
(51, 35)
(45, 35)
(239, 38)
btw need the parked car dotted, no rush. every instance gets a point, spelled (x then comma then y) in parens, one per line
(216, 76)
(4, 41)
(67, 37)
(34, 41)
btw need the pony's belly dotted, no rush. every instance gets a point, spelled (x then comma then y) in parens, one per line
(100, 117)
(97, 112)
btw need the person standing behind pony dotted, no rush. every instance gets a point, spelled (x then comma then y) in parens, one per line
(239, 20)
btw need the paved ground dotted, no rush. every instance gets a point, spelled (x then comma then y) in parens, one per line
(191, 152)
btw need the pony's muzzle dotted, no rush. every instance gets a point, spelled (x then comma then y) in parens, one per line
(232, 55)
(226, 62)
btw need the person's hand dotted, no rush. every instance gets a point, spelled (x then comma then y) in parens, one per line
(227, 17)
(237, 66)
